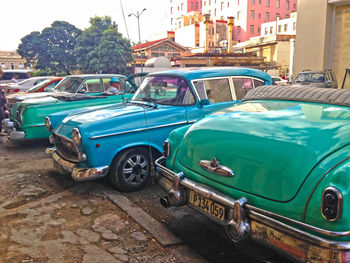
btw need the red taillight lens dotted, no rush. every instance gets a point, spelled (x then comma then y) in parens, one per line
(166, 148)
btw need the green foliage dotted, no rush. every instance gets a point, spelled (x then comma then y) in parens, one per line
(101, 48)
(52, 49)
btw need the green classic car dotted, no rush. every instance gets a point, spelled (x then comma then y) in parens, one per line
(274, 168)
(27, 119)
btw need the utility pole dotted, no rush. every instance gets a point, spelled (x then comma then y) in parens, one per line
(137, 15)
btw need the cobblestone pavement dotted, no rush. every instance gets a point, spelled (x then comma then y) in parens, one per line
(47, 217)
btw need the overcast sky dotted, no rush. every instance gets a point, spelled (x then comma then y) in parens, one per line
(21, 17)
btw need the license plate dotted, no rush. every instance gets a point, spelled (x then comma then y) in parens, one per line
(208, 206)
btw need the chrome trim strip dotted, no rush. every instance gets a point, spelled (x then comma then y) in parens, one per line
(256, 212)
(138, 130)
(36, 125)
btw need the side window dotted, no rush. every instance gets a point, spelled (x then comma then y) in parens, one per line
(105, 82)
(216, 90)
(258, 83)
(7, 76)
(129, 87)
(242, 86)
(91, 86)
(51, 86)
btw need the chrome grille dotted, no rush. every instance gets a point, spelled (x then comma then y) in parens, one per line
(66, 148)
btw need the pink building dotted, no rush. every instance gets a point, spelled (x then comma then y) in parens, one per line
(250, 14)
(179, 8)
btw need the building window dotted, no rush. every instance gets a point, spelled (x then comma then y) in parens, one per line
(252, 14)
(258, 29)
(12, 65)
(287, 5)
(238, 30)
(285, 27)
(271, 30)
(259, 15)
(253, 2)
(277, 16)
(3, 65)
(171, 21)
(260, 2)
(171, 10)
(205, 3)
(279, 28)
(228, 4)
(192, 5)
(267, 16)
(237, 2)
(251, 29)
(278, 4)
(238, 14)
(266, 31)
(287, 16)
(267, 2)
(295, 5)
(294, 26)
(215, 12)
(209, 2)
(222, 5)
(182, 6)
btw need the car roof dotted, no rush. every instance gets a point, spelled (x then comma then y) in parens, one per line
(16, 70)
(211, 72)
(96, 75)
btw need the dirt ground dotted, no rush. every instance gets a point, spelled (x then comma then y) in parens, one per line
(47, 217)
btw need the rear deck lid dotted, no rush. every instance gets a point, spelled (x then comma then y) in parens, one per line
(271, 146)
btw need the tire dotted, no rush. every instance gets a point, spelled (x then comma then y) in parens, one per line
(131, 170)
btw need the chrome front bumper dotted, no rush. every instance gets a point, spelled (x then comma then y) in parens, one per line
(78, 174)
(287, 236)
(12, 134)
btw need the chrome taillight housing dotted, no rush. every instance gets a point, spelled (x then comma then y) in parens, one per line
(331, 204)
(166, 148)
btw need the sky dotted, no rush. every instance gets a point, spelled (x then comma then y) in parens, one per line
(20, 18)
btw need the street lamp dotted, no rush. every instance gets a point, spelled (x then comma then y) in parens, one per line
(137, 15)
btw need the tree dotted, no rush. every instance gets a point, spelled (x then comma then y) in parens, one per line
(53, 48)
(101, 48)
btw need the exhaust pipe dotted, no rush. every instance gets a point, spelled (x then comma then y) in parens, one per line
(164, 201)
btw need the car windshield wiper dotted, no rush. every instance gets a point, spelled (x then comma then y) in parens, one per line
(144, 102)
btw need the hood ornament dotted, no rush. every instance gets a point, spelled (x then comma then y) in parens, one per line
(215, 167)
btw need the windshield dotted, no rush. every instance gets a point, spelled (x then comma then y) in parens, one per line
(310, 77)
(38, 86)
(69, 84)
(167, 90)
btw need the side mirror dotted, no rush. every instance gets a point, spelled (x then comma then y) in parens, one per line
(204, 102)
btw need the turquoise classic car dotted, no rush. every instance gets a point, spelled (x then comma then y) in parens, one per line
(27, 119)
(123, 140)
(274, 168)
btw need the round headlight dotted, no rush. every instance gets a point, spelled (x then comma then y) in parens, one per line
(48, 124)
(76, 137)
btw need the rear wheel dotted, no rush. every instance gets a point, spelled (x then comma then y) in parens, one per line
(131, 170)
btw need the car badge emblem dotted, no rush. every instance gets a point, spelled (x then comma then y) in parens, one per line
(215, 167)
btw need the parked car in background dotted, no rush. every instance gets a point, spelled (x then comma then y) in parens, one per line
(27, 119)
(24, 85)
(317, 79)
(274, 168)
(279, 81)
(10, 74)
(44, 86)
(123, 140)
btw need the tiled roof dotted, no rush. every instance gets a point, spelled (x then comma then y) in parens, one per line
(147, 44)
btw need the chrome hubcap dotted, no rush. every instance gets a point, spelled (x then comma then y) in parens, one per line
(135, 169)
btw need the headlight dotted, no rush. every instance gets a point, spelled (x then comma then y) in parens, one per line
(166, 148)
(76, 137)
(331, 204)
(48, 124)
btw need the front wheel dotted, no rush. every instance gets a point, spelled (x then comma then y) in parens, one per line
(131, 171)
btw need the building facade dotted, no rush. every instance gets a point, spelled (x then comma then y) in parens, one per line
(248, 14)
(11, 60)
(323, 36)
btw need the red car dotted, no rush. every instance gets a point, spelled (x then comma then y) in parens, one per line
(47, 85)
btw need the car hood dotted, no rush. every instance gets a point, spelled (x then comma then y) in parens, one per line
(271, 146)
(96, 122)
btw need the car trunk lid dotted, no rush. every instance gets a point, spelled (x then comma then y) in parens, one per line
(270, 146)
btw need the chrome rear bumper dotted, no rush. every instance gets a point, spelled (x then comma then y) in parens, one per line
(289, 237)
(78, 174)
(12, 134)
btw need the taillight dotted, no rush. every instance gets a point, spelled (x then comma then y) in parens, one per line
(331, 204)
(166, 148)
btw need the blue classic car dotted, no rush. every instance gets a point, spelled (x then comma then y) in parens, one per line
(123, 140)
